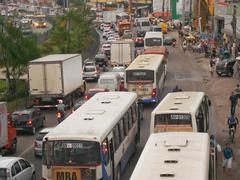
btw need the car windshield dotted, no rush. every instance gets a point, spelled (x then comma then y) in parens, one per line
(3, 173)
(40, 136)
(20, 117)
(118, 69)
(153, 42)
(71, 153)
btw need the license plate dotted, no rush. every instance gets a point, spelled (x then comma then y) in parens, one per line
(66, 174)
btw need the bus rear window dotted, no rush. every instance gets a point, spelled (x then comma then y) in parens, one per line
(153, 42)
(140, 75)
(173, 119)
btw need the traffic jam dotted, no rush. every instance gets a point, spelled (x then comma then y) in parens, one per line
(98, 106)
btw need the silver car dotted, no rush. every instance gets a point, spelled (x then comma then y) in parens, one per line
(16, 168)
(38, 141)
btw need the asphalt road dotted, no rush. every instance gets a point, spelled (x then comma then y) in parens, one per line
(182, 71)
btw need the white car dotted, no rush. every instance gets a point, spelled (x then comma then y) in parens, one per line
(38, 141)
(110, 33)
(111, 39)
(105, 32)
(120, 70)
(106, 46)
(13, 168)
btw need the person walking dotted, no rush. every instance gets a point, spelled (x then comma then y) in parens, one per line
(237, 91)
(234, 100)
(211, 65)
(227, 158)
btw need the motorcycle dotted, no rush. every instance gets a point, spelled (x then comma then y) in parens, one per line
(174, 44)
(60, 116)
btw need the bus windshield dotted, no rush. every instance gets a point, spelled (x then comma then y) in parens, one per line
(153, 42)
(140, 75)
(173, 119)
(72, 153)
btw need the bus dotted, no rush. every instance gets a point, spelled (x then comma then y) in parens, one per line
(95, 141)
(181, 111)
(158, 50)
(177, 155)
(153, 39)
(40, 21)
(122, 16)
(146, 76)
(143, 24)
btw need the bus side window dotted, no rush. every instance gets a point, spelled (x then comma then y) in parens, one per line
(200, 121)
(121, 130)
(116, 138)
(125, 124)
(133, 113)
(129, 120)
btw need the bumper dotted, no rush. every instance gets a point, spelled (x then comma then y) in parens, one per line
(150, 100)
(24, 128)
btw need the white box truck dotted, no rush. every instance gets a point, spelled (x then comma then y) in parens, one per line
(55, 77)
(122, 52)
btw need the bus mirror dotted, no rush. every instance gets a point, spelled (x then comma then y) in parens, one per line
(209, 102)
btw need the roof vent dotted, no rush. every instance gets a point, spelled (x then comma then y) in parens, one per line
(110, 97)
(176, 141)
(174, 149)
(173, 108)
(167, 175)
(170, 161)
(106, 102)
(182, 96)
(95, 112)
(177, 102)
(88, 118)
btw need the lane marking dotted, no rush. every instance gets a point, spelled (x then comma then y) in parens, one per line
(26, 150)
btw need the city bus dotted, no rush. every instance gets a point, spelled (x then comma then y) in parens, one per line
(96, 141)
(181, 111)
(153, 39)
(146, 76)
(40, 21)
(177, 155)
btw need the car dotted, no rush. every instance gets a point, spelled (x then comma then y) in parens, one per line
(120, 70)
(38, 141)
(225, 67)
(78, 104)
(168, 40)
(139, 40)
(13, 168)
(105, 32)
(101, 60)
(111, 39)
(106, 46)
(88, 62)
(110, 33)
(28, 120)
(94, 91)
(156, 29)
(91, 72)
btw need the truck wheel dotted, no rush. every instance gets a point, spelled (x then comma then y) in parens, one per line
(33, 130)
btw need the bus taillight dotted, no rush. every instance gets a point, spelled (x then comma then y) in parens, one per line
(154, 93)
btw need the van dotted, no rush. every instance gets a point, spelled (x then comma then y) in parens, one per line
(225, 67)
(110, 81)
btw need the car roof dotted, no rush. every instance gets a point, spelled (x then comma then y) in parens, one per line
(25, 111)
(46, 130)
(100, 56)
(7, 161)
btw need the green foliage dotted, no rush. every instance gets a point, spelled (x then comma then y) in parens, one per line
(72, 31)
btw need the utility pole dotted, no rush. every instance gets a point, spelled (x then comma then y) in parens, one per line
(6, 11)
(234, 28)
(163, 8)
(183, 12)
(190, 13)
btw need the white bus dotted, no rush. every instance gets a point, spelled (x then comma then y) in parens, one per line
(153, 39)
(181, 111)
(146, 76)
(96, 141)
(176, 155)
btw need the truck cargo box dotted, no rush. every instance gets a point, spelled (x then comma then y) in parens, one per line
(3, 125)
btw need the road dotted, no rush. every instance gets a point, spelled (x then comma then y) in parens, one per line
(182, 71)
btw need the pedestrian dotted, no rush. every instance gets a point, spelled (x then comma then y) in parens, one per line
(234, 100)
(237, 91)
(227, 158)
(211, 65)
(217, 60)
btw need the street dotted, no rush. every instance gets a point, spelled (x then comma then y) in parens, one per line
(182, 71)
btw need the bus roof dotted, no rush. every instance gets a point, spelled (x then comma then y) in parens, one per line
(95, 118)
(152, 34)
(181, 155)
(179, 102)
(146, 61)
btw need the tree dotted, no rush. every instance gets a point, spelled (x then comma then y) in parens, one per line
(72, 31)
(15, 51)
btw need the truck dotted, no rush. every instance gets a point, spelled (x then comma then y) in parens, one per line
(8, 134)
(122, 52)
(109, 16)
(56, 77)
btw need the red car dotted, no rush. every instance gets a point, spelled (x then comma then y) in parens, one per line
(93, 91)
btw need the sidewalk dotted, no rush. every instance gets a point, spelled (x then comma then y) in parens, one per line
(219, 90)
